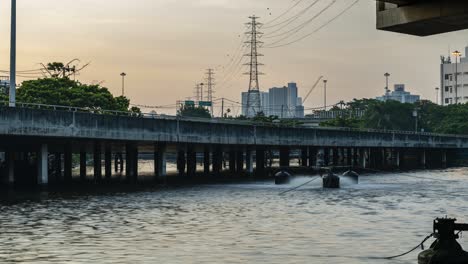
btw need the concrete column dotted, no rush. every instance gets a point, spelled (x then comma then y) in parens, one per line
(397, 158)
(191, 161)
(249, 161)
(335, 157)
(10, 167)
(97, 160)
(108, 162)
(284, 157)
(304, 157)
(260, 162)
(131, 172)
(326, 157)
(206, 161)
(83, 165)
(67, 157)
(58, 166)
(160, 161)
(349, 157)
(232, 161)
(43, 165)
(423, 159)
(313, 152)
(444, 159)
(181, 162)
(239, 161)
(217, 161)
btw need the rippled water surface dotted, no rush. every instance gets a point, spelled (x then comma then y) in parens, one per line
(237, 223)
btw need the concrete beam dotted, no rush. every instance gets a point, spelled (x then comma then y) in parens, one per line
(422, 18)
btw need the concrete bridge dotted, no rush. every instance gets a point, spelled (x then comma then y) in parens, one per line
(422, 18)
(47, 142)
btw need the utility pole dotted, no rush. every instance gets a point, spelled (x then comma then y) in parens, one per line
(437, 94)
(253, 99)
(198, 96)
(325, 94)
(13, 56)
(222, 107)
(123, 74)
(457, 54)
(210, 83)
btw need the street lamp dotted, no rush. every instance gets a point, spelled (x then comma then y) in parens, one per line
(457, 54)
(325, 94)
(123, 74)
(416, 117)
(12, 95)
(387, 75)
(437, 95)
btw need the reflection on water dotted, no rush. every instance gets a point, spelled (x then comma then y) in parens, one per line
(238, 223)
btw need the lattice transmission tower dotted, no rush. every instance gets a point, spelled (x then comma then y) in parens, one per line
(253, 99)
(210, 87)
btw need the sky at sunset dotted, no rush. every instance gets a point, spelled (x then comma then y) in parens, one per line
(165, 47)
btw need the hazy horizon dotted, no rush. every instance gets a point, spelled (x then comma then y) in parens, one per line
(165, 47)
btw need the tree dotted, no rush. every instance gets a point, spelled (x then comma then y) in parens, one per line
(193, 111)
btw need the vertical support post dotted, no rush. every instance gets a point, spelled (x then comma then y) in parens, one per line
(191, 161)
(206, 161)
(284, 157)
(83, 165)
(423, 158)
(108, 162)
(58, 166)
(260, 162)
(397, 158)
(181, 161)
(326, 156)
(232, 161)
(239, 161)
(304, 157)
(444, 158)
(135, 163)
(43, 165)
(349, 157)
(312, 157)
(12, 98)
(10, 163)
(67, 156)
(217, 160)
(97, 160)
(335, 157)
(249, 161)
(160, 161)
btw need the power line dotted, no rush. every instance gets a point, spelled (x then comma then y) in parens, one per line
(318, 29)
(293, 31)
(284, 13)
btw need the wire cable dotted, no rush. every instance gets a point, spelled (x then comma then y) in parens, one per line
(284, 13)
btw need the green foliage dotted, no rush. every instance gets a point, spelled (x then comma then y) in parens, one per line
(66, 92)
(393, 115)
(193, 111)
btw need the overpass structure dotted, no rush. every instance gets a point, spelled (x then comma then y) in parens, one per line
(422, 17)
(37, 139)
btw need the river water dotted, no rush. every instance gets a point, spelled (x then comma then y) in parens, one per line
(386, 214)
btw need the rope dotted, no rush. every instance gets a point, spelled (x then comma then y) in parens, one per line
(406, 253)
(295, 188)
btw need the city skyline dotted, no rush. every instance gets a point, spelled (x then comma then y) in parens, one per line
(160, 58)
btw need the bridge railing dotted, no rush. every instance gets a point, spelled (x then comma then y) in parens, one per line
(98, 111)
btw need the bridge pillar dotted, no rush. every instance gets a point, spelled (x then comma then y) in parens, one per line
(181, 162)
(108, 162)
(217, 161)
(83, 165)
(239, 161)
(284, 157)
(444, 159)
(249, 161)
(118, 162)
(260, 162)
(191, 161)
(232, 161)
(43, 165)
(313, 152)
(10, 167)
(349, 157)
(68, 163)
(326, 157)
(97, 161)
(58, 167)
(423, 158)
(304, 157)
(160, 160)
(335, 157)
(206, 161)
(131, 162)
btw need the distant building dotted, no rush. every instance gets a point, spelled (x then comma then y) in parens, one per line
(4, 84)
(282, 102)
(399, 94)
(448, 69)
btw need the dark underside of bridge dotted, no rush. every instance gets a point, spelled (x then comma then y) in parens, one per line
(422, 18)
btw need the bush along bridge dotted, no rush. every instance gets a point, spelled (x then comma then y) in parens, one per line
(42, 147)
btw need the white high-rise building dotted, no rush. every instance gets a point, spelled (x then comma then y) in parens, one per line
(454, 80)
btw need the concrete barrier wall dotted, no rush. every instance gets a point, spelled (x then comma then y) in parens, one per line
(24, 122)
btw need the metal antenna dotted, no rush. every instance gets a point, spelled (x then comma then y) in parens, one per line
(253, 99)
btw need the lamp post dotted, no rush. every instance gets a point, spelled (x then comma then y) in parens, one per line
(325, 94)
(416, 117)
(12, 95)
(387, 75)
(437, 94)
(457, 54)
(123, 74)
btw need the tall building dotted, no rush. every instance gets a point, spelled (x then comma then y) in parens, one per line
(282, 102)
(454, 88)
(399, 94)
